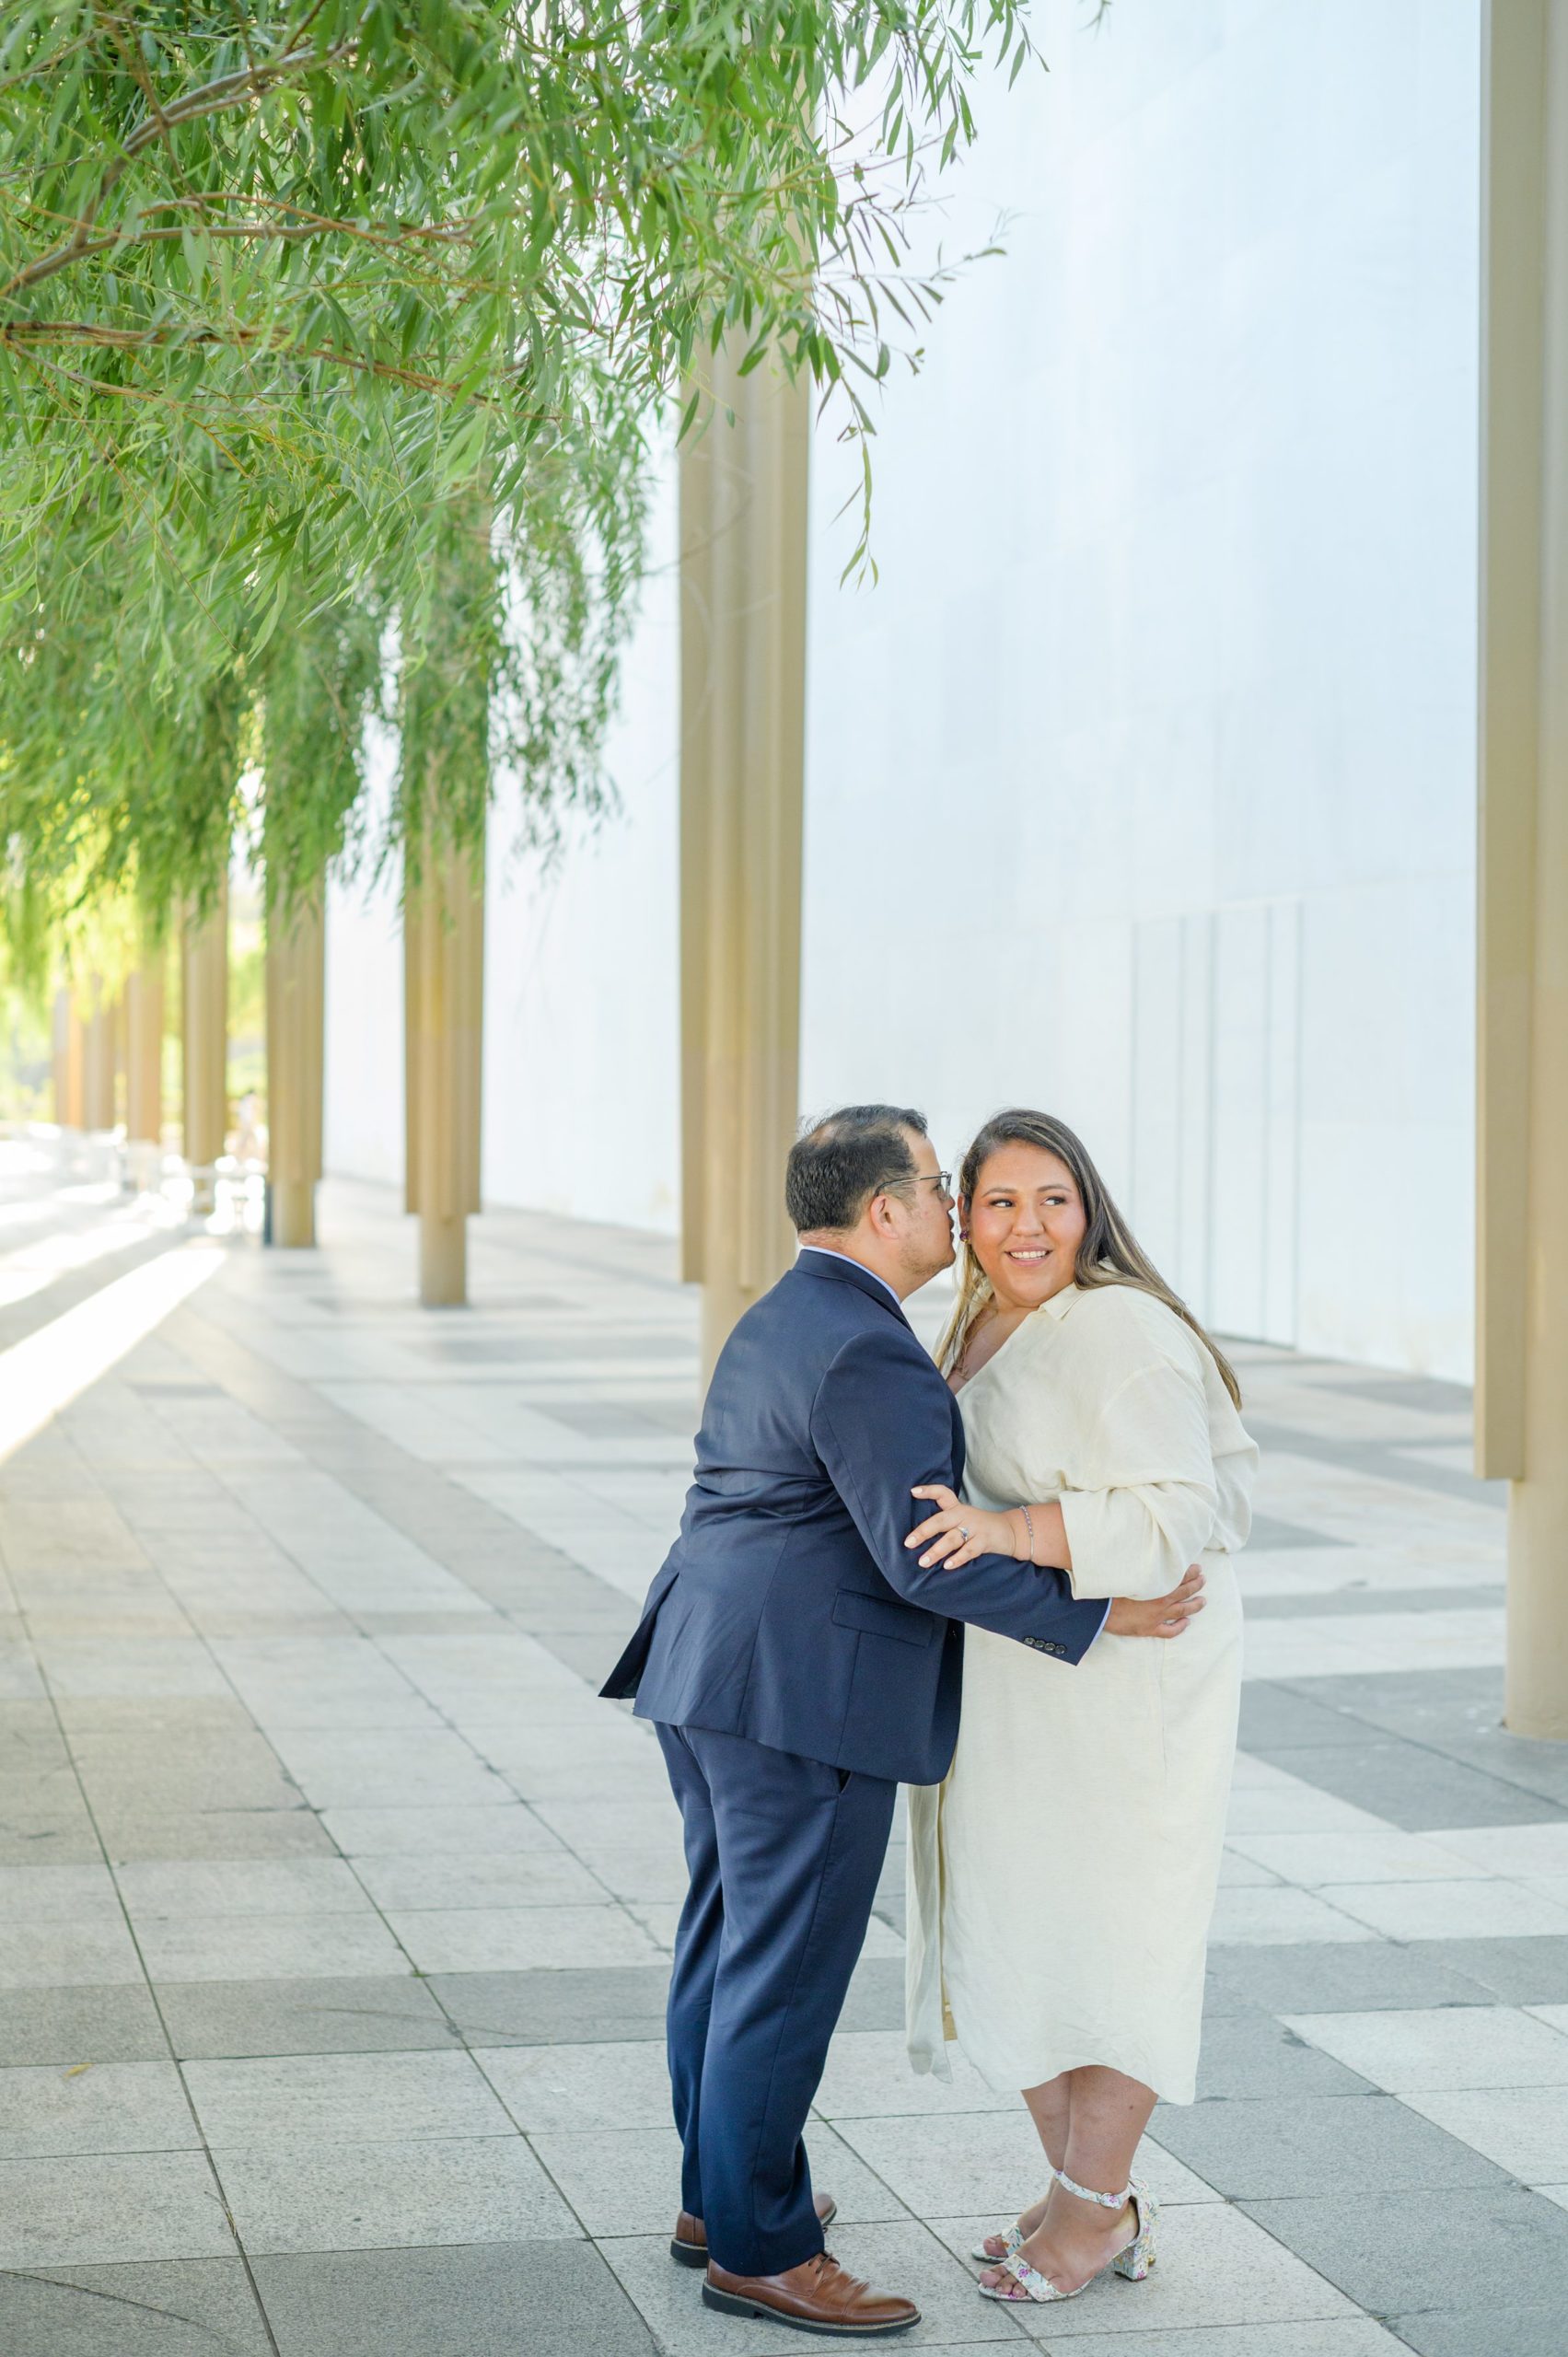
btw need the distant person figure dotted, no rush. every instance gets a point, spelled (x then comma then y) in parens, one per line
(799, 1662)
(1062, 1877)
(249, 1143)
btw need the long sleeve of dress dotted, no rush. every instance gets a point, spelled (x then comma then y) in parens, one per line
(1154, 1514)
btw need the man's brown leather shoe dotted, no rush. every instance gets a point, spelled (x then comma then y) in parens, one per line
(817, 2297)
(688, 2244)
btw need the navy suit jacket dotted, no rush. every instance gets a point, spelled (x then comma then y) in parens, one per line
(788, 1609)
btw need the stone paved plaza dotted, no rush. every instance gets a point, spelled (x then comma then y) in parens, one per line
(334, 1910)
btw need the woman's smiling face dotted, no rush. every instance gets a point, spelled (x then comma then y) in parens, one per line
(1026, 1222)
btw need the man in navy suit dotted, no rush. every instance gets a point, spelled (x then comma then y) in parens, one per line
(799, 1664)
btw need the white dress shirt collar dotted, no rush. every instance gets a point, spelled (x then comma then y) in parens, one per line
(826, 1252)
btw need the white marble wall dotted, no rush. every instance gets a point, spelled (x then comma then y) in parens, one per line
(1141, 786)
(581, 1069)
(363, 1128)
(581, 1110)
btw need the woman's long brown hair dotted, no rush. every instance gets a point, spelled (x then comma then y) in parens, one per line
(1109, 1255)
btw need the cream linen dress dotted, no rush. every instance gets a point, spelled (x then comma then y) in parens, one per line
(1062, 1879)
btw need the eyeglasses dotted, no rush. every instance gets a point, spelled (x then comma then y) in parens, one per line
(941, 1179)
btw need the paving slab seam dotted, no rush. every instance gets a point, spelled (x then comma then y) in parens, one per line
(218, 2195)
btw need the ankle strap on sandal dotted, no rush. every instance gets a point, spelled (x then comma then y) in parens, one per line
(1086, 2193)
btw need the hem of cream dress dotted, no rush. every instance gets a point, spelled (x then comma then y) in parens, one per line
(1037, 2073)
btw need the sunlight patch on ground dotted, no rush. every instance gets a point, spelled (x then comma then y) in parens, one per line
(46, 1371)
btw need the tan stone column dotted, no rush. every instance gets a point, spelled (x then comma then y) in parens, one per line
(443, 1044)
(143, 1049)
(122, 1054)
(1522, 1292)
(68, 1061)
(144, 1066)
(742, 759)
(204, 1013)
(296, 1038)
(98, 1060)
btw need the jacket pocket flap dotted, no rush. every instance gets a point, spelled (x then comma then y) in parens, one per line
(884, 1616)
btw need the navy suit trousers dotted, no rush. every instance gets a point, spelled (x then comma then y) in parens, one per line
(784, 1856)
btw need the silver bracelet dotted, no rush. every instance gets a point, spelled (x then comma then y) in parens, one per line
(1029, 1526)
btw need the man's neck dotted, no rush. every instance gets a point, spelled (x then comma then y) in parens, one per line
(844, 1248)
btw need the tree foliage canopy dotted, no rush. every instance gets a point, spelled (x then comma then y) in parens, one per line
(282, 281)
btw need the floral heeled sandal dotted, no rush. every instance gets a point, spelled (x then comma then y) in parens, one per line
(1012, 2238)
(1133, 2263)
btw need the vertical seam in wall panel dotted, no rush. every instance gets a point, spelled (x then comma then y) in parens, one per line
(1210, 1172)
(1134, 1212)
(1296, 1123)
(1179, 1148)
(1177, 1143)
(1267, 1106)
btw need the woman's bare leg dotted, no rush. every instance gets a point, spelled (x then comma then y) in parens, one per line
(1106, 2115)
(1050, 2109)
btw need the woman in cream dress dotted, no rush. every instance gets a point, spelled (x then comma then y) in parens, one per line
(1063, 1879)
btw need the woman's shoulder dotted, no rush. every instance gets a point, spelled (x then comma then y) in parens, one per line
(1124, 1322)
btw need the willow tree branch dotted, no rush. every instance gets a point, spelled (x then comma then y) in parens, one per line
(28, 336)
(212, 98)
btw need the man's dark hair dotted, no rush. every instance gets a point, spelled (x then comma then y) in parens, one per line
(841, 1160)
